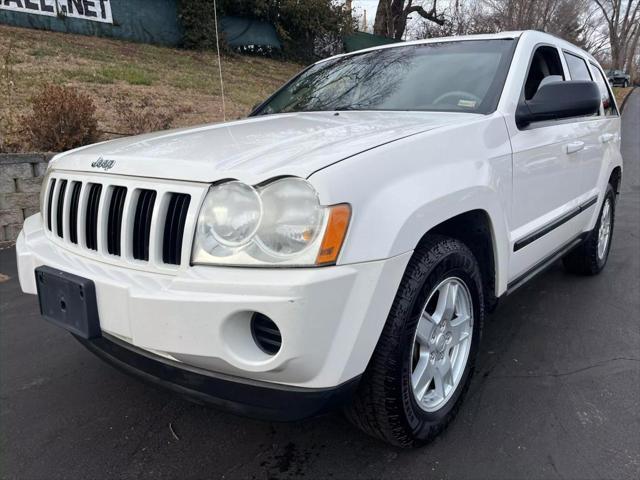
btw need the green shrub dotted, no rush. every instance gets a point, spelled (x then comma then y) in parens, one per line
(198, 23)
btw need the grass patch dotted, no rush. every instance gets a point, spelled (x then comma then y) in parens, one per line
(130, 75)
(180, 84)
(40, 52)
(621, 94)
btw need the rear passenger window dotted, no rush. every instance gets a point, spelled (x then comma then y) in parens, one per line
(577, 67)
(607, 99)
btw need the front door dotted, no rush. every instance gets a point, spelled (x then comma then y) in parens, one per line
(547, 178)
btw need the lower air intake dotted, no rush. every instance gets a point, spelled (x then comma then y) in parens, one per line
(266, 334)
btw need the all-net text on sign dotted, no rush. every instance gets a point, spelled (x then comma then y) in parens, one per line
(94, 10)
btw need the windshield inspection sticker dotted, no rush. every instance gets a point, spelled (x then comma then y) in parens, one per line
(467, 103)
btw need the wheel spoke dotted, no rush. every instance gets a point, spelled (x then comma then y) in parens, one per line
(422, 376)
(443, 377)
(424, 329)
(446, 302)
(459, 329)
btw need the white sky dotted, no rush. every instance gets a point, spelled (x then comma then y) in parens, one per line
(369, 5)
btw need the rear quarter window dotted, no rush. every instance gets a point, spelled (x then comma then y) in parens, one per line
(605, 93)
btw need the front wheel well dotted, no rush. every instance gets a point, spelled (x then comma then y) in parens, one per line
(473, 228)
(616, 179)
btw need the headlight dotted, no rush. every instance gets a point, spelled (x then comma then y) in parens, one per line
(292, 217)
(281, 223)
(231, 214)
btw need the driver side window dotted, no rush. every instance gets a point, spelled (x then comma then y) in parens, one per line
(545, 63)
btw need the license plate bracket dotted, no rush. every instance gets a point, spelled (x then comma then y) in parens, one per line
(68, 301)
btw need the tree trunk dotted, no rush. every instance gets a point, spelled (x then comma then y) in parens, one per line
(382, 21)
(399, 19)
(391, 17)
(631, 56)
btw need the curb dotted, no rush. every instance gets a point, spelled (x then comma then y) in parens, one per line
(624, 102)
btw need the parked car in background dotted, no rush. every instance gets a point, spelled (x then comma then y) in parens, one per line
(344, 244)
(619, 78)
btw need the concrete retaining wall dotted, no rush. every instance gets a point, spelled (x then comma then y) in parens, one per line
(20, 180)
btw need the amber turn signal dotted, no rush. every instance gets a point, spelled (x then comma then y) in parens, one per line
(339, 216)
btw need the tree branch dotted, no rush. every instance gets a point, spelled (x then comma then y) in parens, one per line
(431, 15)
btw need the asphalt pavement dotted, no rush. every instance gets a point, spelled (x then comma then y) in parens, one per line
(557, 394)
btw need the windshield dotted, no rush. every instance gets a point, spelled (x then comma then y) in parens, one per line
(463, 76)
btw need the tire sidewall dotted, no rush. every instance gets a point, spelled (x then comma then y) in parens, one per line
(456, 264)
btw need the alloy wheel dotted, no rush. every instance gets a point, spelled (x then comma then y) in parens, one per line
(604, 232)
(441, 344)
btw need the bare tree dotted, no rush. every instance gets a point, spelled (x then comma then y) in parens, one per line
(595, 33)
(462, 17)
(391, 16)
(564, 18)
(623, 20)
(575, 20)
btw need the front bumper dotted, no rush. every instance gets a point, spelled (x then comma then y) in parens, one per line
(330, 318)
(244, 397)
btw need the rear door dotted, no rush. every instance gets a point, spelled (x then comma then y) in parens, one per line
(591, 132)
(608, 135)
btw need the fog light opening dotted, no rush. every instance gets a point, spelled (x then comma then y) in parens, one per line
(266, 334)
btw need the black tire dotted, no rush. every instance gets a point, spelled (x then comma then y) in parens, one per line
(625, 84)
(384, 405)
(584, 259)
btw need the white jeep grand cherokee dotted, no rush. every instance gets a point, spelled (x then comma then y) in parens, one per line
(343, 244)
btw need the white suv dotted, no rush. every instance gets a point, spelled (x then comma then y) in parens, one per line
(343, 244)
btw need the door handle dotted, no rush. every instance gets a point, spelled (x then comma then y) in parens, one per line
(574, 147)
(607, 137)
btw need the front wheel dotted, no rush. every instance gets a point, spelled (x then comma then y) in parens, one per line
(425, 357)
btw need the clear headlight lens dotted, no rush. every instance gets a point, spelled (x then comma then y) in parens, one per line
(230, 215)
(292, 217)
(281, 223)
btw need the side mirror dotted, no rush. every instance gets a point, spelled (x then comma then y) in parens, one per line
(556, 100)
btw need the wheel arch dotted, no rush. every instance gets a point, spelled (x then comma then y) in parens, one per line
(474, 228)
(615, 179)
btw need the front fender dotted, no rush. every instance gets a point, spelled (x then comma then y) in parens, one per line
(403, 189)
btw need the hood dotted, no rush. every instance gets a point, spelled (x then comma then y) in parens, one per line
(255, 149)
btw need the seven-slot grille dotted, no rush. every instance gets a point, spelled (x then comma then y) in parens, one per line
(123, 221)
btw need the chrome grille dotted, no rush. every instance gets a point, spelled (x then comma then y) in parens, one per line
(174, 227)
(91, 217)
(59, 216)
(73, 212)
(114, 224)
(52, 187)
(143, 223)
